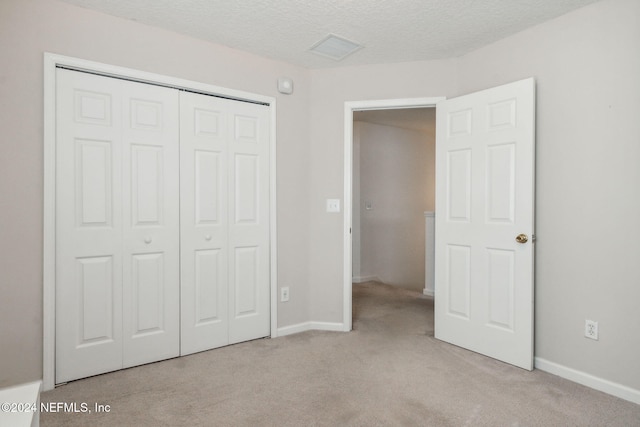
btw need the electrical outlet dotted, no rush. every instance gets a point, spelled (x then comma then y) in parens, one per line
(284, 294)
(591, 329)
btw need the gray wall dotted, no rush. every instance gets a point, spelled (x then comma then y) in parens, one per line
(330, 89)
(30, 27)
(396, 175)
(587, 68)
(587, 64)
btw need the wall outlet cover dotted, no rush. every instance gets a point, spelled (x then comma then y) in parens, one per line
(591, 329)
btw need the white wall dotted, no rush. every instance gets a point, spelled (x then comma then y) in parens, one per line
(396, 176)
(28, 28)
(587, 68)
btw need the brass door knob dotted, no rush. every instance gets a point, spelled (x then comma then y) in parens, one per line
(522, 238)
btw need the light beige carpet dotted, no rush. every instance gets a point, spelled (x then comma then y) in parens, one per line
(388, 371)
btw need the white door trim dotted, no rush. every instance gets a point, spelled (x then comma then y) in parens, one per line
(349, 108)
(51, 62)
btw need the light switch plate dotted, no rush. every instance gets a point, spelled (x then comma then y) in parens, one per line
(333, 205)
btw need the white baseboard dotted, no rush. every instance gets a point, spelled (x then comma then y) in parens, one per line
(23, 394)
(293, 329)
(327, 326)
(428, 292)
(362, 279)
(606, 386)
(310, 326)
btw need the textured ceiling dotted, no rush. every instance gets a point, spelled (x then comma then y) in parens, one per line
(390, 31)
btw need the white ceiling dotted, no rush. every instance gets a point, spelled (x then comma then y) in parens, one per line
(390, 31)
(421, 119)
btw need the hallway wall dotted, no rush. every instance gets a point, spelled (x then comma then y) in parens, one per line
(397, 181)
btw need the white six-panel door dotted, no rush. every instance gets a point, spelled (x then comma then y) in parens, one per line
(131, 159)
(88, 225)
(204, 236)
(117, 224)
(151, 252)
(225, 222)
(248, 222)
(485, 222)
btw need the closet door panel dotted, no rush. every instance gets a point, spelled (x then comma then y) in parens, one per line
(224, 222)
(204, 224)
(88, 226)
(208, 279)
(151, 256)
(207, 186)
(247, 266)
(249, 295)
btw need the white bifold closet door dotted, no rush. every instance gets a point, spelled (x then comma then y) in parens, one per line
(224, 208)
(162, 223)
(117, 224)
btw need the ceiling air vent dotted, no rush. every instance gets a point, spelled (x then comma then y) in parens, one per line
(334, 47)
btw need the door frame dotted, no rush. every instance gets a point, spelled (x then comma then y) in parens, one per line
(53, 61)
(349, 108)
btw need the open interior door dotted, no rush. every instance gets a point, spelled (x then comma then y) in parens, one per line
(485, 156)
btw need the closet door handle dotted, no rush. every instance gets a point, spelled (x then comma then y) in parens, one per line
(147, 240)
(207, 237)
